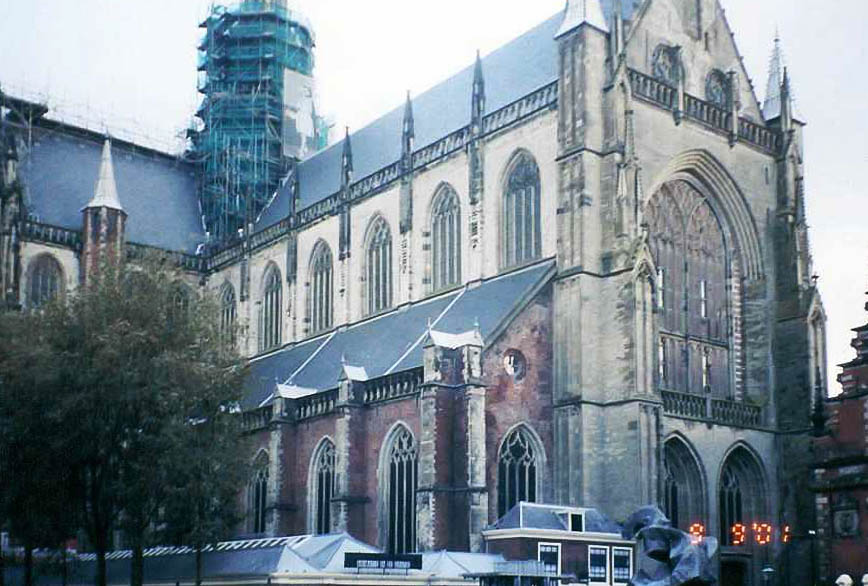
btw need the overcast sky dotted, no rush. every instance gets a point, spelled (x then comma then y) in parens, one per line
(132, 64)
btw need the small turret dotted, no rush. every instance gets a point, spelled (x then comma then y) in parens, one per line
(344, 214)
(477, 110)
(347, 161)
(408, 133)
(103, 219)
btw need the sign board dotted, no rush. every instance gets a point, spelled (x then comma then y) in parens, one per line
(383, 562)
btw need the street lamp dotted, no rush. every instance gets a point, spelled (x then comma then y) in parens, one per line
(768, 574)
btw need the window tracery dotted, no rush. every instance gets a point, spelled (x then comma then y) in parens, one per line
(257, 496)
(378, 259)
(400, 495)
(445, 240)
(522, 241)
(323, 486)
(46, 280)
(689, 247)
(517, 470)
(228, 310)
(741, 494)
(322, 288)
(270, 310)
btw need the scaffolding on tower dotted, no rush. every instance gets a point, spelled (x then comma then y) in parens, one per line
(258, 109)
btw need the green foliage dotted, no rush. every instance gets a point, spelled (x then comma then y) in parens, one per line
(136, 387)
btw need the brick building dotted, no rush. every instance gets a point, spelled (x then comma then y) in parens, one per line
(576, 272)
(841, 470)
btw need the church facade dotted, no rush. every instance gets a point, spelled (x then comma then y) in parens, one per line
(577, 272)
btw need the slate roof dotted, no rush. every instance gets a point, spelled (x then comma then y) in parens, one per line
(540, 516)
(393, 342)
(511, 72)
(157, 191)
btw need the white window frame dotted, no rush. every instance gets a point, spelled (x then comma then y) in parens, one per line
(542, 544)
(703, 299)
(608, 551)
(629, 551)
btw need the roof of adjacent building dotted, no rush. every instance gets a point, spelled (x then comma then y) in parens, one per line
(526, 515)
(393, 342)
(511, 72)
(158, 191)
(253, 559)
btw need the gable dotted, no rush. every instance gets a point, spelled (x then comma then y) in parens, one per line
(700, 27)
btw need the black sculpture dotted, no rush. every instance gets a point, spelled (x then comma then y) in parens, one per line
(669, 556)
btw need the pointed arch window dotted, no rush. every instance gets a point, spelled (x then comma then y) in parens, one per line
(257, 496)
(697, 289)
(323, 487)
(401, 483)
(270, 311)
(378, 259)
(445, 239)
(46, 280)
(322, 288)
(741, 495)
(517, 470)
(683, 492)
(228, 311)
(522, 240)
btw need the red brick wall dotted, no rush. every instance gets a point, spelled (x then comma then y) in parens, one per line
(378, 421)
(299, 444)
(529, 401)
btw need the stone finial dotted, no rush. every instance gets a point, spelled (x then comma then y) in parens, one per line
(105, 195)
(409, 129)
(478, 100)
(579, 12)
(347, 160)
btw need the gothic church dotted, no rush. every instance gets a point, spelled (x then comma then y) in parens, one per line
(576, 272)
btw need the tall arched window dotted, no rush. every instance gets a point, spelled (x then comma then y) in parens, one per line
(694, 264)
(378, 259)
(741, 494)
(518, 467)
(522, 240)
(445, 239)
(270, 312)
(323, 487)
(321, 288)
(46, 280)
(257, 495)
(400, 491)
(228, 310)
(683, 495)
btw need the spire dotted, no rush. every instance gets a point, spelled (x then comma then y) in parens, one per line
(105, 194)
(347, 161)
(478, 104)
(774, 87)
(409, 129)
(579, 12)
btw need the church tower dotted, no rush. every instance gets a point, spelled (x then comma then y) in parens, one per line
(103, 220)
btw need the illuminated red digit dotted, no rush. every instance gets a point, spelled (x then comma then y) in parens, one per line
(697, 532)
(785, 534)
(738, 532)
(762, 533)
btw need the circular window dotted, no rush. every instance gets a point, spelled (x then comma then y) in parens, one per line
(515, 364)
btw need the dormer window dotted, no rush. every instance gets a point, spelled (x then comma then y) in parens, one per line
(577, 522)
